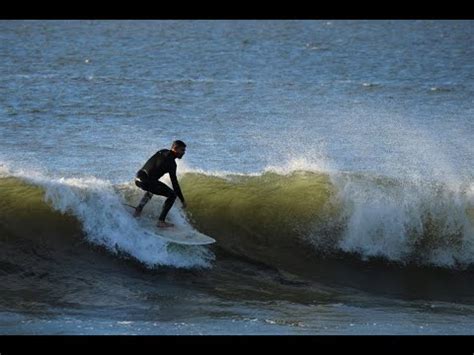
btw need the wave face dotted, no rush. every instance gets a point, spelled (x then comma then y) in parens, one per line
(368, 216)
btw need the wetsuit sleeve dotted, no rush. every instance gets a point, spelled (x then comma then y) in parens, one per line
(176, 188)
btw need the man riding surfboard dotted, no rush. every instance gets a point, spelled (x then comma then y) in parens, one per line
(147, 177)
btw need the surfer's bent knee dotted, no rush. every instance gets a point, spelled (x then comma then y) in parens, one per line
(141, 184)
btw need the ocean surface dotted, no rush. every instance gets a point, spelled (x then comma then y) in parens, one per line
(332, 161)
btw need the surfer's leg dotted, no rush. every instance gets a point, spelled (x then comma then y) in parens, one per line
(158, 188)
(166, 207)
(143, 202)
(144, 185)
(171, 197)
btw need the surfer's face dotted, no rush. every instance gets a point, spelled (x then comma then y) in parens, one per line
(179, 152)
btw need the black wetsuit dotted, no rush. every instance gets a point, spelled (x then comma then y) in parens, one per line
(160, 163)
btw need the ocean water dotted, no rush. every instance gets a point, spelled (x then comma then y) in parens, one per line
(332, 161)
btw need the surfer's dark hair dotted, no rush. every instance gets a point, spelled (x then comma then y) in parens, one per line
(178, 143)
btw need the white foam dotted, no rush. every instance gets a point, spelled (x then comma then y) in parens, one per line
(183, 168)
(389, 220)
(300, 164)
(4, 171)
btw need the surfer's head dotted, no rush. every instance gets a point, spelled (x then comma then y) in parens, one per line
(178, 148)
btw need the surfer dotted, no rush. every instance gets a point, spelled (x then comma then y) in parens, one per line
(147, 177)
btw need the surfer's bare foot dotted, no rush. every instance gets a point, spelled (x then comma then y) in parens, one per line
(163, 224)
(137, 213)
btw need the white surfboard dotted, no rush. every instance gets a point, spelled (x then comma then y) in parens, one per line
(177, 234)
